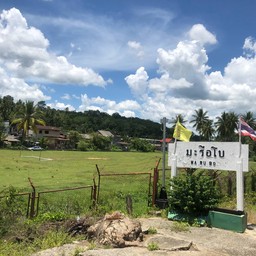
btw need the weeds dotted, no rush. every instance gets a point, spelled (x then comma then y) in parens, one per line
(78, 251)
(153, 246)
(52, 239)
(92, 246)
(180, 226)
(152, 231)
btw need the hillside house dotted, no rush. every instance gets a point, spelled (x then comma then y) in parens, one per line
(55, 138)
(107, 134)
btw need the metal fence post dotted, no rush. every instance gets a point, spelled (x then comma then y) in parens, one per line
(94, 193)
(98, 191)
(155, 181)
(154, 192)
(33, 199)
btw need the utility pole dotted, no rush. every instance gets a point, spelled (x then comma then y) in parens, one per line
(164, 121)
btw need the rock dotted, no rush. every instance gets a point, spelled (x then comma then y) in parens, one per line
(116, 230)
(79, 226)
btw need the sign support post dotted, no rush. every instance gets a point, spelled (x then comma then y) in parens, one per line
(240, 186)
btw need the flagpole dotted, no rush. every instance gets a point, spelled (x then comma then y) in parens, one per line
(240, 140)
(240, 174)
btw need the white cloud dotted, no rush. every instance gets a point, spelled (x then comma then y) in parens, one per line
(134, 45)
(105, 37)
(19, 89)
(249, 47)
(66, 96)
(242, 70)
(182, 70)
(199, 33)
(24, 54)
(185, 82)
(126, 108)
(61, 106)
(138, 82)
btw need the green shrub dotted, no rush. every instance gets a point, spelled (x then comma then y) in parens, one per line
(84, 145)
(193, 193)
(12, 207)
(142, 145)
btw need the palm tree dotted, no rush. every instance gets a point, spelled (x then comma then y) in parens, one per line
(200, 119)
(179, 118)
(27, 118)
(249, 119)
(208, 130)
(226, 125)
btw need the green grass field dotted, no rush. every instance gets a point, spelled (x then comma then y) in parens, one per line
(53, 170)
(62, 169)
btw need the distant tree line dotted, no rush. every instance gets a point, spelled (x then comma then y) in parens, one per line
(224, 128)
(83, 122)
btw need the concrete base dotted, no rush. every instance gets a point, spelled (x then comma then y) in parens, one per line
(228, 220)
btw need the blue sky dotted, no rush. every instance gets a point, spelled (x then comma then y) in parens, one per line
(145, 58)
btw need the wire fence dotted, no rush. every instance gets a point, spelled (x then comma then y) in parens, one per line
(107, 191)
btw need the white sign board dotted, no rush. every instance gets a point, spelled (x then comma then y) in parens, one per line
(208, 155)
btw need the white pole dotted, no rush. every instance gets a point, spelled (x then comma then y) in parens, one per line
(174, 166)
(174, 162)
(240, 186)
(240, 175)
(239, 133)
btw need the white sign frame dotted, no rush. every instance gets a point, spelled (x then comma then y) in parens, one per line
(208, 155)
(214, 156)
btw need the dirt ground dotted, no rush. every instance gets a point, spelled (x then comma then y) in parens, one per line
(195, 242)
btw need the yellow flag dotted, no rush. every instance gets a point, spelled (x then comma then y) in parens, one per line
(181, 133)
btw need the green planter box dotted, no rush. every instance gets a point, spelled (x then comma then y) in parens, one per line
(228, 219)
(176, 216)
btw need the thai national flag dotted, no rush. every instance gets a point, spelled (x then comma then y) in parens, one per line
(246, 130)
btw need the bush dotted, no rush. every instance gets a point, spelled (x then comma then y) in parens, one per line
(11, 209)
(84, 146)
(142, 145)
(193, 193)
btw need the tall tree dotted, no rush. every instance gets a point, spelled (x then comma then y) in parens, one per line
(226, 125)
(3, 134)
(179, 118)
(6, 107)
(200, 119)
(249, 119)
(27, 118)
(208, 130)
